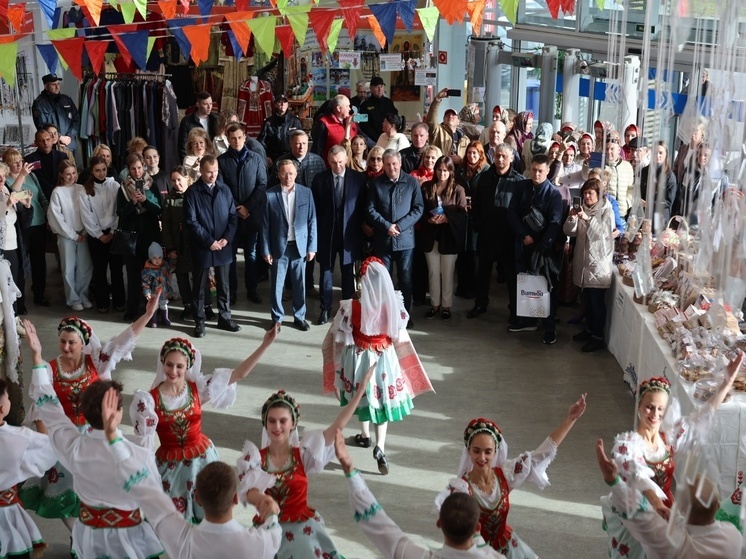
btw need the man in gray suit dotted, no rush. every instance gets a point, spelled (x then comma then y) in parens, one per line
(289, 241)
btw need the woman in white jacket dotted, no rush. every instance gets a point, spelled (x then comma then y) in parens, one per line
(64, 219)
(593, 225)
(98, 211)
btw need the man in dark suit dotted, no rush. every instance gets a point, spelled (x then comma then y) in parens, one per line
(211, 221)
(338, 194)
(394, 207)
(245, 173)
(201, 116)
(288, 240)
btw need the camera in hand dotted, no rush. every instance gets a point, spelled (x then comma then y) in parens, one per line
(454, 93)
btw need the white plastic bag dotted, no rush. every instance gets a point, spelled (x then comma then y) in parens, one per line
(532, 296)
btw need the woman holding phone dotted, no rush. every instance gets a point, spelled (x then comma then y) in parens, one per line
(18, 214)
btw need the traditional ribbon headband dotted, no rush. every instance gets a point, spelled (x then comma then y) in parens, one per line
(481, 425)
(367, 262)
(654, 384)
(182, 345)
(77, 325)
(281, 397)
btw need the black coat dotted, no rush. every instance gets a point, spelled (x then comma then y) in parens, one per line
(245, 173)
(276, 132)
(490, 202)
(48, 172)
(210, 215)
(376, 108)
(451, 236)
(327, 222)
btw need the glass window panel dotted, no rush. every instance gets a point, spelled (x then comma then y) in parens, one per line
(536, 12)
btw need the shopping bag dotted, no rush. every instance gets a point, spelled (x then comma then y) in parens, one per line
(532, 296)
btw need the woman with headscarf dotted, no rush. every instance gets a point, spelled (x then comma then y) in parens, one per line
(570, 174)
(540, 143)
(586, 147)
(469, 119)
(371, 332)
(632, 131)
(521, 131)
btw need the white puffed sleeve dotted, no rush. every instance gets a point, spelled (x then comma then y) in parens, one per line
(250, 472)
(143, 418)
(314, 452)
(455, 485)
(342, 325)
(530, 466)
(33, 414)
(217, 389)
(690, 428)
(115, 350)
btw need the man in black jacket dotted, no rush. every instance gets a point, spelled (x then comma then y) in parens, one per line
(275, 134)
(53, 107)
(46, 161)
(245, 174)
(495, 241)
(202, 116)
(412, 156)
(377, 106)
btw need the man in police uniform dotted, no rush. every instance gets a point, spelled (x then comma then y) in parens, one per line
(53, 107)
(377, 106)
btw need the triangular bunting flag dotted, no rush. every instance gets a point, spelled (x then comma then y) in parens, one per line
(96, 51)
(568, 6)
(351, 13)
(199, 37)
(287, 39)
(123, 50)
(57, 34)
(15, 16)
(599, 3)
(451, 10)
(205, 7)
(185, 6)
(299, 23)
(429, 20)
(151, 44)
(281, 5)
(94, 9)
(475, 11)
(405, 9)
(241, 5)
(333, 38)
(264, 33)
(386, 16)
(50, 57)
(128, 11)
(4, 9)
(84, 8)
(114, 4)
(8, 53)
(554, 8)
(377, 31)
(241, 31)
(48, 7)
(142, 7)
(289, 10)
(237, 50)
(71, 51)
(176, 27)
(168, 8)
(510, 8)
(321, 22)
(137, 45)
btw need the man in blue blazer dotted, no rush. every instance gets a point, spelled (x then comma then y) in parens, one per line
(339, 195)
(210, 219)
(288, 241)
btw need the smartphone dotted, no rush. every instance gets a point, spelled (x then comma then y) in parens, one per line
(18, 195)
(360, 118)
(595, 159)
(454, 93)
(576, 203)
(35, 165)
(140, 185)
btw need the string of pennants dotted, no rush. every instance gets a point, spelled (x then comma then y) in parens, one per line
(282, 22)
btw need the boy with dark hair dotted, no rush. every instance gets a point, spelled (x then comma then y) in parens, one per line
(26, 454)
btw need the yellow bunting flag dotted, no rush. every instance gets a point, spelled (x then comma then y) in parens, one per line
(510, 9)
(128, 11)
(142, 6)
(151, 44)
(263, 29)
(57, 34)
(8, 53)
(333, 38)
(429, 20)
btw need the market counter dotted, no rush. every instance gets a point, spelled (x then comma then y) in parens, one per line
(642, 353)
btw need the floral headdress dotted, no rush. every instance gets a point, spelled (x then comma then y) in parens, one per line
(479, 426)
(281, 397)
(182, 345)
(77, 325)
(367, 262)
(658, 384)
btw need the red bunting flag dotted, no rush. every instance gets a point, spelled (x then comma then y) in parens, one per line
(287, 38)
(96, 51)
(554, 8)
(4, 9)
(242, 5)
(185, 6)
(351, 13)
(115, 34)
(237, 22)
(321, 22)
(15, 16)
(71, 50)
(199, 37)
(168, 8)
(568, 6)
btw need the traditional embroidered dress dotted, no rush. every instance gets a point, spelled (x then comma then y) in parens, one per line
(52, 496)
(110, 523)
(255, 102)
(26, 454)
(184, 450)
(495, 505)
(181, 538)
(303, 530)
(677, 440)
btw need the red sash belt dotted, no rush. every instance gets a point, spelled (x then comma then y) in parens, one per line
(9, 497)
(109, 518)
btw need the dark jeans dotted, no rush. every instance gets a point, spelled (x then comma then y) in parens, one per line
(184, 281)
(36, 246)
(504, 256)
(465, 273)
(403, 260)
(247, 241)
(327, 275)
(200, 277)
(103, 260)
(595, 308)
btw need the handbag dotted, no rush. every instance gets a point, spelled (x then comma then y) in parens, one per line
(124, 243)
(534, 220)
(532, 296)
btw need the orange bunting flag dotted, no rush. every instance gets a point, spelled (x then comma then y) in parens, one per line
(96, 51)
(321, 22)
(237, 22)
(15, 16)
(451, 10)
(71, 50)
(377, 31)
(94, 9)
(476, 10)
(287, 38)
(199, 37)
(168, 7)
(351, 13)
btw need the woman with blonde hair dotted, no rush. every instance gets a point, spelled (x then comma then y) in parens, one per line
(198, 145)
(374, 164)
(17, 219)
(425, 172)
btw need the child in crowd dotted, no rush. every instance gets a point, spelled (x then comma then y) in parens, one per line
(26, 454)
(157, 273)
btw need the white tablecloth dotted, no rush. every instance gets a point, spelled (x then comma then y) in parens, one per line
(642, 354)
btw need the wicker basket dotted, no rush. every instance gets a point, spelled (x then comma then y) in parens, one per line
(641, 300)
(628, 281)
